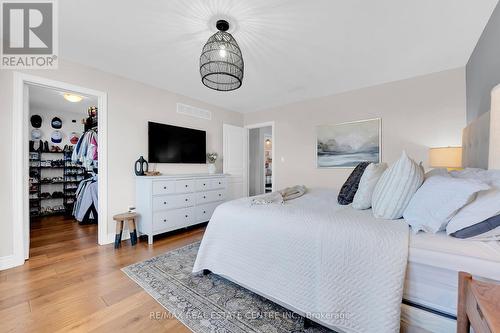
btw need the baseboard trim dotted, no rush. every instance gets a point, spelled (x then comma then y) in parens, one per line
(10, 261)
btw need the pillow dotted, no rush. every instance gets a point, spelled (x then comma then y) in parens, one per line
(396, 187)
(436, 172)
(487, 176)
(369, 179)
(348, 190)
(438, 200)
(480, 219)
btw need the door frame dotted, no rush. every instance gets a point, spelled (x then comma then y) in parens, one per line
(273, 153)
(20, 163)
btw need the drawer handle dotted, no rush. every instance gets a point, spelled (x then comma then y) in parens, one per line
(204, 184)
(164, 220)
(186, 199)
(220, 195)
(164, 202)
(186, 216)
(204, 197)
(204, 212)
(164, 187)
(187, 185)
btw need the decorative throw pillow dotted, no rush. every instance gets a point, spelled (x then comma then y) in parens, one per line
(396, 187)
(369, 179)
(348, 190)
(436, 172)
(438, 200)
(480, 219)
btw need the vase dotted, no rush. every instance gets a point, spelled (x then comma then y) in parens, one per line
(141, 166)
(211, 168)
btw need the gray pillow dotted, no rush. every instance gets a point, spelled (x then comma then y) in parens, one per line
(478, 228)
(348, 190)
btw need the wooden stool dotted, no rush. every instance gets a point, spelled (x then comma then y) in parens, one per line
(130, 219)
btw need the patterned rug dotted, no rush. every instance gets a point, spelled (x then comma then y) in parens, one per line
(209, 303)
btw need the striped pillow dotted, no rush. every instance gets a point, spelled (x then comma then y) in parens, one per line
(396, 187)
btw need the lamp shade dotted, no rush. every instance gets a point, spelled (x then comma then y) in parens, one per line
(445, 157)
(221, 61)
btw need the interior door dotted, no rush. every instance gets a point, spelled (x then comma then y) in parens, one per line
(26, 217)
(235, 160)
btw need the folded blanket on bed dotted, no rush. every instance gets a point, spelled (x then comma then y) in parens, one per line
(281, 196)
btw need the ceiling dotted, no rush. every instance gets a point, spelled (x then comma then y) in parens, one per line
(53, 100)
(293, 49)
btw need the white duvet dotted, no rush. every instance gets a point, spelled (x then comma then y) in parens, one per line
(342, 267)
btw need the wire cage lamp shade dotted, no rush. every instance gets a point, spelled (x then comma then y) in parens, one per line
(221, 61)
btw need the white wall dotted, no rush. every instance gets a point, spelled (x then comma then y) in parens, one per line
(67, 125)
(130, 104)
(416, 114)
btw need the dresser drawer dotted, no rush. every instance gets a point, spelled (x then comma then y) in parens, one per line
(216, 195)
(184, 186)
(204, 212)
(163, 187)
(172, 219)
(173, 201)
(218, 183)
(202, 198)
(203, 184)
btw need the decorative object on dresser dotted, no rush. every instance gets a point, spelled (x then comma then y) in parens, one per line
(141, 166)
(167, 203)
(212, 158)
(478, 305)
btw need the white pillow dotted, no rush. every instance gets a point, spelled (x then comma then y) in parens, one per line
(488, 176)
(367, 183)
(472, 216)
(396, 187)
(436, 172)
(438, 200)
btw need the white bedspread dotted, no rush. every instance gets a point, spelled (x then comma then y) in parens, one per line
(340, 266)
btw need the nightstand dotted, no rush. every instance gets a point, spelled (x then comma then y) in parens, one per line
(478, 305)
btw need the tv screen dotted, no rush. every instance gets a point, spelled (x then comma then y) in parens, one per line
(172, 144)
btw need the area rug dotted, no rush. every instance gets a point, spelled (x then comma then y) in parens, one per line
(210, 303)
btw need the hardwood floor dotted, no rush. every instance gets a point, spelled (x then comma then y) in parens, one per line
(72, 284)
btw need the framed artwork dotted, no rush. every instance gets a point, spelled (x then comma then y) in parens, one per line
(346, 145)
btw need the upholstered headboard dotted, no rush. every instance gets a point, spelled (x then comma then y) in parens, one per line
(476, 143)
(481, 138)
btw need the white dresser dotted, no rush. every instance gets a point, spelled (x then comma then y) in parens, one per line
(166, 203)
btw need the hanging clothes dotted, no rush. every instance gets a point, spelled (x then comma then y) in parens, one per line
(86, 150)
(86, 198)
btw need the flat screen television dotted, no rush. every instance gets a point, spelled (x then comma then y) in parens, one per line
(172, 144)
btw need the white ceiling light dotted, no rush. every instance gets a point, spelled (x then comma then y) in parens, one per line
(72, 98)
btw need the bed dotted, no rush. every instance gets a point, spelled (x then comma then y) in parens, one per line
(431, 263)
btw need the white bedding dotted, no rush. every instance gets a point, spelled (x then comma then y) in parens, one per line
(434, 262)
(340, 266)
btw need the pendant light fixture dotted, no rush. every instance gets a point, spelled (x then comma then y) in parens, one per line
(221, 61)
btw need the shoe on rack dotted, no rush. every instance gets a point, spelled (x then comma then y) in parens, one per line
(32, 146)
(46, 147)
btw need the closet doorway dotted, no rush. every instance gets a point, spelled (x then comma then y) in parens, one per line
(260, 158)
(59, 145)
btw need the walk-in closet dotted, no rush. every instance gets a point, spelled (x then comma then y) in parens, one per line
(63, 164)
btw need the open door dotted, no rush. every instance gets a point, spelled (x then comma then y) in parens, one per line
(26, 218)
(235, 160)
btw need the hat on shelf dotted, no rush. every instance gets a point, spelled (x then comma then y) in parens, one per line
(73, 138)
(36, 121)
(56, 137)
(36, 134)
(56, 122)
